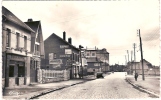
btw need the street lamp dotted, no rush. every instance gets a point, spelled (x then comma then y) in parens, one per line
(80, 47)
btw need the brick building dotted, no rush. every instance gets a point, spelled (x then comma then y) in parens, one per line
(16, 50)
(37, 48)
(61, 55)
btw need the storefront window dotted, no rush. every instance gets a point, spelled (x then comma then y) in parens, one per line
(11, 71)
(21, 71)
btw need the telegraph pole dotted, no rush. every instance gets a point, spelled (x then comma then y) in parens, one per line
(131, 61)
(141, 55)
(128, 55)
(134, 58)
(125, 60)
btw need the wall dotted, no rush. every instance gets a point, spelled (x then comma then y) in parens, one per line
(15, 29)
(52, 45)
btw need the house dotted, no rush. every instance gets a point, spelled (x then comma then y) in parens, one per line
(61, 55)
(137, 66)
(37, 48)
(103, 55)
(97, 59)
(16, 50)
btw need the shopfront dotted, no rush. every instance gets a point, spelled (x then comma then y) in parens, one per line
(16, 70)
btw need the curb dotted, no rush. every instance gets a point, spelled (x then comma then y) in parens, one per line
(43, 92)
(48, 91)
(145, 90)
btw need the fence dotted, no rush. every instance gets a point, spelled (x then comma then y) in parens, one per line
(45, 76)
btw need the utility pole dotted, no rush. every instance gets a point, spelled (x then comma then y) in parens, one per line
(128, 55)
(128, 61)
(125, 60)
(134, 58)
(141, 55)
(131, 62)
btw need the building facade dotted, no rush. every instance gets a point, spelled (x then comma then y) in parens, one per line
(61, 55)
(37, 49)
(137, 66)
(97, 59)
(103, 55)
(16, 50)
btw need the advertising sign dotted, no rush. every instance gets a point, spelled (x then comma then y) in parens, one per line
(55, 61)
(68, 51)
(50, 56)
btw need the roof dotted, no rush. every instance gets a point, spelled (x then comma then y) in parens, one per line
(62, 40)
(34, 25)
(11, 17)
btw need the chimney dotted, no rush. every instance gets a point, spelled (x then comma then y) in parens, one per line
(70, 40)
(30, 20)
(64, 35)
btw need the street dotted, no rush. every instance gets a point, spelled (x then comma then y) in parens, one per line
(112, 86)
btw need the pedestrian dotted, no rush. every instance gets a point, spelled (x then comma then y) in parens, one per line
(136, 76)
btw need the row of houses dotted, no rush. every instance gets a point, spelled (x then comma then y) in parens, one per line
(27, 58)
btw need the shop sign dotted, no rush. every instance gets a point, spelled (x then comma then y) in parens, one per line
(68, 51)
(50, 56)
(18, 58)
(55, 61)
(64, 46)
(96, 64)
(62, 56)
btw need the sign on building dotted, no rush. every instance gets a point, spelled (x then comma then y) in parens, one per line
(68, 51)
(50, 56)
(96, 64)
(64, 46)
(55, 61)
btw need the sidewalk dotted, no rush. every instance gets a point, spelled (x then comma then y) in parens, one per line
(151, 84)
(28, 92)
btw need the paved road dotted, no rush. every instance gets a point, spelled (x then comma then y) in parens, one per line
(113, 86)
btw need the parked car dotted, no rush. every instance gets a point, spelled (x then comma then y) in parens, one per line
(99, 75)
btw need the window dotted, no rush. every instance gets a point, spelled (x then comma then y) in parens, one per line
(87, 54)
(78, 58)
(8, 38)
(21, 71)
(93, 54)
(17, 39)
(25, 42)
(73, 56)
(11, 71)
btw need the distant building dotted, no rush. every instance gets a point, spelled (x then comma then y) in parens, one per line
(148, 67)
(37, 48)
(16, 50)
(97, 59)
(61, 55)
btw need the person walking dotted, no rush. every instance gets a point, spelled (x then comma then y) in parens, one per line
(136, 76)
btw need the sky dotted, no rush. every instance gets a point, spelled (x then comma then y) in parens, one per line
(110, 24)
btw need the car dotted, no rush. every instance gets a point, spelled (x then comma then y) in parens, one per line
(99, 75)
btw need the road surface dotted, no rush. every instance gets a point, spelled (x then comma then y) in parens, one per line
(113, 86)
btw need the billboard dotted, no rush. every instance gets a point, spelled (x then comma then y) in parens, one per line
(50, 56)
(55, 61)
(68, 51)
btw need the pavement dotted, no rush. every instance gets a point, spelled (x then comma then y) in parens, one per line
(35, 90)
(150, 85)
